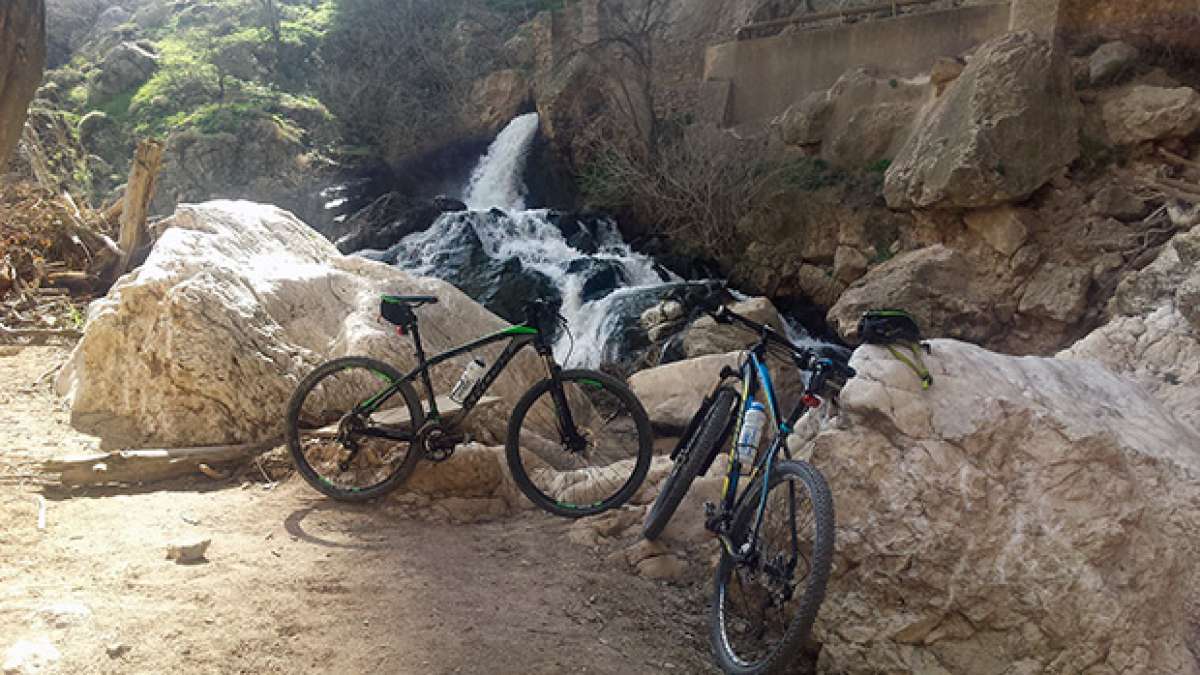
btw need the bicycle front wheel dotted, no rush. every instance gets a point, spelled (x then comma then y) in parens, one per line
(597, 468)
(348, 437)
(770, 587)
(705, 439)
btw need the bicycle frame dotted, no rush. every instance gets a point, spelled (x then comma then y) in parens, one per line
(755, 376)
(519, 337)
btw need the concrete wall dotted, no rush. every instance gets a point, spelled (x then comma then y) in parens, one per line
(1163, 24)
(767, 75)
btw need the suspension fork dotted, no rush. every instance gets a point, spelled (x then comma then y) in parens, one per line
(566, 422)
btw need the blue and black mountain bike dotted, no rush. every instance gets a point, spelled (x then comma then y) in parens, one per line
(776, 534)
(579, 442)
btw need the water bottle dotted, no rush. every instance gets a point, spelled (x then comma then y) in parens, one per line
(752, 428)
(466, 383)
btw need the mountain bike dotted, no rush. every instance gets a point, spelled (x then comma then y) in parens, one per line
(777, 535)
(578, 442)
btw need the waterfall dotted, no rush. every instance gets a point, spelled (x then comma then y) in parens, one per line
(502, 254)
(496, 182)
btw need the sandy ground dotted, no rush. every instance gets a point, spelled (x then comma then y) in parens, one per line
(296, 583)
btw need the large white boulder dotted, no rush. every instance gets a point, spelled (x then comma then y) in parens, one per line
(1024, 515)
(204, 343)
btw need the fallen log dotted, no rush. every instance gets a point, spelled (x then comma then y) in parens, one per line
(147, 466)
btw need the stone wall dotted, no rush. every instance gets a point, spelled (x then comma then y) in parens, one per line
(767, 75)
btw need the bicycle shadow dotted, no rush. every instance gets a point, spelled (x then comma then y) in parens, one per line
(373, 528)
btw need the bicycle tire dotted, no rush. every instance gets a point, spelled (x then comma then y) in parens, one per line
(295, 405)
(641, 426)
(799, 628)
(707, 437)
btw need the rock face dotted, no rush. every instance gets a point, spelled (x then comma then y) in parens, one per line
(22, 58)
(1147, 113)
(706, 336)
(124, 67)
(864, 118)
(1154, 333)
(1024, 515)
(204, 343)
(1003, 129)
(497, 99)
(938, 285)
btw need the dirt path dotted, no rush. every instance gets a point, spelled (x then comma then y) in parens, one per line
(296, 583)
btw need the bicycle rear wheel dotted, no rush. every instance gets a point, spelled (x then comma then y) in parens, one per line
(344, 441)
(606, 466)
(766, 599)
(705, 439)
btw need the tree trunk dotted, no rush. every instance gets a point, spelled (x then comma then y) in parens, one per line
(138, 193)
(22, 59)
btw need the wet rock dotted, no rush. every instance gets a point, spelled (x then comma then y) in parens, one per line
(1003, 129)
(188, 552)
(1148, 113)
(1110, 61)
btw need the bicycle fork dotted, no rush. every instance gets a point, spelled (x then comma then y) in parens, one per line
(566, 422)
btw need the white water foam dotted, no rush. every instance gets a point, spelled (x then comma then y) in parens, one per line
(496, 181)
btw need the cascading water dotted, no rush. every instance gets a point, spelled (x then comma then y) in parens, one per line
(500, 254)
(496, 181)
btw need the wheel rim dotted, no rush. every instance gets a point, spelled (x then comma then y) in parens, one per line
(333, 437)
(587, 478)
(760, 598)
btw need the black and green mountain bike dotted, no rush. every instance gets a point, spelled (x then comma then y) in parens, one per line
(578, 442)
(776, 533)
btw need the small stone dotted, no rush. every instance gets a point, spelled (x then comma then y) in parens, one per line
(188, 552)
(117, 649)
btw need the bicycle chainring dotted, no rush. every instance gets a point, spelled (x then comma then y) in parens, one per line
(437, 443)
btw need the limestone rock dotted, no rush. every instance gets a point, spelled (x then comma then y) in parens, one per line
(944, 72)
(1017, 501)
(22, 58)
(1110, 61)
(189, 551)
(112, 17)
(849, 264)
(497, 98)
(1148, 113)
(1057, 292)
(1154, 335)
(941, 287)
(821, 288)
(1115, 201)
(124, 67)
(672, 393)
(706, 336)
(236, 303)
(804, 123)
(100, 135)
(1005, 228)
(1003, 129)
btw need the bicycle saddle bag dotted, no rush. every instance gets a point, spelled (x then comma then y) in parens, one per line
(888, 326)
